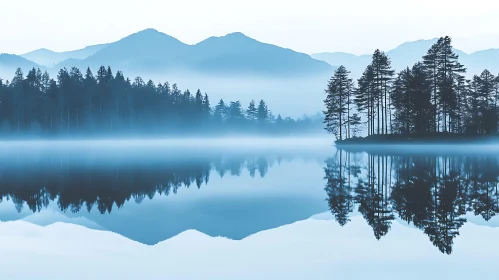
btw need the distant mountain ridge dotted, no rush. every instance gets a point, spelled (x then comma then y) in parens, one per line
(407, 54)
(10, 62)
(50, 58)
(229, 67)
(152, 51)
(234, 53)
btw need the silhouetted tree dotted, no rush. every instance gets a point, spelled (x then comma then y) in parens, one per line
(431, 97)
(338, 94)
(251, 112)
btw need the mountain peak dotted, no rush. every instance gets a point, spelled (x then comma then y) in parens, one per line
(44, 50)
(149, 30)
(41, 51)
(236, 34)
(148, 43)
(146, 32)
(415, 45)
(230, 38)
(149, 34)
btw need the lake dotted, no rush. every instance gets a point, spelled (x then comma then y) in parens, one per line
(247, 209)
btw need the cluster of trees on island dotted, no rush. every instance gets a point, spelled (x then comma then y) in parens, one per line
(433, 96)
(83, 104)
(432, 192)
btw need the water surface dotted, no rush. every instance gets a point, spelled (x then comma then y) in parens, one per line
(151, 192)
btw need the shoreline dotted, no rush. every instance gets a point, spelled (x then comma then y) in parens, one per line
(425, 139)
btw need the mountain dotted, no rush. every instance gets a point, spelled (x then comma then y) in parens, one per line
(50, 58)
(153, 51)
(402, 56)
(407, 54)
(478, 61)
(230, 67)
(355, 63)
(148, 49)
(10, 62)
(237, 53)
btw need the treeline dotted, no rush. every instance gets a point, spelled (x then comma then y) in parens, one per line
(434, 193)
(83, 104)
(432, 96)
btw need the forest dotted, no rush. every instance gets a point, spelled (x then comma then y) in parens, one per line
(435, 96)
(81, 105)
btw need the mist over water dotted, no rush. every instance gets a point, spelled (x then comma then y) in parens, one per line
(184, 146)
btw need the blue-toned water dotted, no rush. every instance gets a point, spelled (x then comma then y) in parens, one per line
(153, 192)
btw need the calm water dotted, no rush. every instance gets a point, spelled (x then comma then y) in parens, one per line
(153, 193)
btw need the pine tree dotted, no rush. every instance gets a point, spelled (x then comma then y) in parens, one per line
(235, 112)
(350, 103)
(448, 70)
(382, 73)
(488, 111)
(199, 108)
(420, 99)
(473, 106)
(45, 82)
(430, 63)
(221, 112)
(18, 79)
(251, 112)
(263, 112)
(364, 97)
(336, 102)
(461, 92)
(206, 109)
(401, 101)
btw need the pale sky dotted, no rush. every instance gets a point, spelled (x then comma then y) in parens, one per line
(354, 26)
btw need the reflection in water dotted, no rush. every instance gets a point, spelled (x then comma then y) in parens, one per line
(133, 191)
(77, 184)
(433, 192)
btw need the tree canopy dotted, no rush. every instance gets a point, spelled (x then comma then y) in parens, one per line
(433, 96)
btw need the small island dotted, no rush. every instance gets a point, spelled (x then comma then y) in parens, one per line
(433, 102)
(425, 138)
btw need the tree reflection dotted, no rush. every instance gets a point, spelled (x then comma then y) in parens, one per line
(76, 186)
(432, 192)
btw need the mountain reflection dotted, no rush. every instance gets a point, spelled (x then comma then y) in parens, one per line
(432, 192)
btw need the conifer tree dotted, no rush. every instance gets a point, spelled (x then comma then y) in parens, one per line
(263, 112)
(364, 97)
(221, 112)
(251, 112)
(337, 94)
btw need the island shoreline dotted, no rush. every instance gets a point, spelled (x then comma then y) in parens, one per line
(441, 138)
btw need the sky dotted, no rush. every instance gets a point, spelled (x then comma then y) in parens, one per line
(353, 26)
